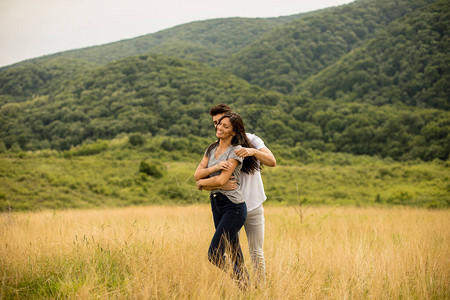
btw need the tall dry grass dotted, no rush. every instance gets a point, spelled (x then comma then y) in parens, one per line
(159, 252)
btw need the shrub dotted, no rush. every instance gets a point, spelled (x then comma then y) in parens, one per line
(150, 169)
(87, 149)
(15, 148)
(136, 140)
(2, 147)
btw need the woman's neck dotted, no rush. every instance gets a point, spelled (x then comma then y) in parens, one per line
(225, 143)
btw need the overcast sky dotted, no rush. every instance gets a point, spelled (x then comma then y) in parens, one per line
(32, 28)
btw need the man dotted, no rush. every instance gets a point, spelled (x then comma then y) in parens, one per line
(253, 189)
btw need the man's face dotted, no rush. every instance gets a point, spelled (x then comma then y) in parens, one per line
(216, 119)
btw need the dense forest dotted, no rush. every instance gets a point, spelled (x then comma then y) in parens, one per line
(290, 54)
(407, 63)
(370, 77)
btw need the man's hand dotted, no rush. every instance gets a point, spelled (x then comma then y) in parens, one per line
(264, 155)
(244, 152)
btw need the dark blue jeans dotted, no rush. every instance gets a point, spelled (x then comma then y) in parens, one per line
(228, 220)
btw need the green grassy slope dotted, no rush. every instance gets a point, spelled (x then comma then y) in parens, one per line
(108, 174)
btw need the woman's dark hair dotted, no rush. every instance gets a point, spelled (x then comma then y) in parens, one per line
(250, 163)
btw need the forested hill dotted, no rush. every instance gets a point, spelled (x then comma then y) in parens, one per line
(206, 41)
(42, 77)
(369, 78)
(156, 95)
(291, 53)
(408, 63)
(168, 96)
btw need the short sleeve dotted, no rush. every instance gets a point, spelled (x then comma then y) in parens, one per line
(233, 155)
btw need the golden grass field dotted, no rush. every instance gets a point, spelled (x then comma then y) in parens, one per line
(159, 252)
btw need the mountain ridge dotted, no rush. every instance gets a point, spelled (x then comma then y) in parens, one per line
(141, 44)
(62, 102)
(408, 62)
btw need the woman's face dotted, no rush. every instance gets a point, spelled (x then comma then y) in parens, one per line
(224, 129)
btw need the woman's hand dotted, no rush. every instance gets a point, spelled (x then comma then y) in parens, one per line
(220, 179)
(198, 185)
(223, 165)
(230, 185)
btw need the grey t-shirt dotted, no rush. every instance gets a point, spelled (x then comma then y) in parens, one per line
(235, 195)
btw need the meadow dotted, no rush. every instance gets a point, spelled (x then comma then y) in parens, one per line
(159, 252)
(123, 220)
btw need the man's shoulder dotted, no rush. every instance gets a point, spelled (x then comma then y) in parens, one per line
(256, 140)
(252, 136)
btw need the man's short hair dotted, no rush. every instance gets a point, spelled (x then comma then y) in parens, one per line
(219, 109)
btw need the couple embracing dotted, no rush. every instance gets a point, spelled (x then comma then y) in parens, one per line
(230, 169)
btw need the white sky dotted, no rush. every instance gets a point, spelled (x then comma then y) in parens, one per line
(32, 28)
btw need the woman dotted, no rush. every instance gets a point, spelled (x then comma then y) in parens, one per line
(219, 163)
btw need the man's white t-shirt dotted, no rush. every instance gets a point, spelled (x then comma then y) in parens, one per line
(251, 184)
